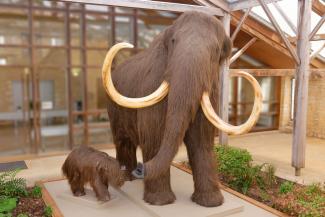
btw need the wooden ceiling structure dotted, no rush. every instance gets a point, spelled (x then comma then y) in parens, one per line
(299, 52)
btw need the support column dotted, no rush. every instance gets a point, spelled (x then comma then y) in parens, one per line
(224, 86)
(85, 74)
(301, 90)
(35, 83)
(69, 77)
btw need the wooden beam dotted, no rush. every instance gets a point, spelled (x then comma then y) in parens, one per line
(318, 7)
(316, 52)
(244, 4)
(224, 81)
(317, 37)
(221, 4)
(204, 2)
(285, 17)
(317, 27)
(301, 87)
(278, 29)
(242, 20)
(242, 50)
(154, 5)
(314, 73)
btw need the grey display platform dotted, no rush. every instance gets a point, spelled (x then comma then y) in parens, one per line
(127, 201)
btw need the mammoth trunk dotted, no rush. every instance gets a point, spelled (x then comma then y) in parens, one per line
(188, 76)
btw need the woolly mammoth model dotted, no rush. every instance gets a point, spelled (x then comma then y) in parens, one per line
(87, 165)
(168, 94)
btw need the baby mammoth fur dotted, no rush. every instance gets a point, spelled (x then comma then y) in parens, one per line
(87, 165)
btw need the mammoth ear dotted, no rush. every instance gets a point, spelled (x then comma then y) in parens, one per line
(226, 48)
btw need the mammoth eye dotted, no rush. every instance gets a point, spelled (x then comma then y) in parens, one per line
(173, 40)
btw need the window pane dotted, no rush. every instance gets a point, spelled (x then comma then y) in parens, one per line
(75, 29)
(23, 2)
(148, 30)
(98, 31)
(14, 56)
(50, 32)
(53, 103)
(124, 29)
(48, 3)
(13, 30)
(75, 57)
(77, 89)
(96, 93)
(95, 57)
(15, 110)
(56, 57)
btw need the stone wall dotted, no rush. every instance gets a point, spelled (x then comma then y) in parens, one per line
(316, 107)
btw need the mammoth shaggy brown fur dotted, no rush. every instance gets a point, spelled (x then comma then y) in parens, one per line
(87, 165)
(187, 55)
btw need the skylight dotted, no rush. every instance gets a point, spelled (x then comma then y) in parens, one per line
(290, 8)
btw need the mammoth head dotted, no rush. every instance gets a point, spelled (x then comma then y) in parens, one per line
(195, 45)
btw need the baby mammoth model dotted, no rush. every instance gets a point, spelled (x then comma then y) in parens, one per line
(85, 165)
(168, 94)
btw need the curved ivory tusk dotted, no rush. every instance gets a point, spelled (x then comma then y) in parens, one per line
(141, 102)
(222, 125)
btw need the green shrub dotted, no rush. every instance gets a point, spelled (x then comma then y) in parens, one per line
(48, 211)
(7, 205)
(36, 192)
(11, 186)
(286, 187)
(235, 165)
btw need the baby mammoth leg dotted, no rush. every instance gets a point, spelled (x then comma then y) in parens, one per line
(77, 185)
(101, 189)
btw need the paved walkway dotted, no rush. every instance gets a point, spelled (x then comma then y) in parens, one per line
(275, 148)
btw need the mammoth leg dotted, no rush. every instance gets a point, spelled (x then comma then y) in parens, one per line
(199, 143)
(157, 191)
(101, 189)
(126, 155)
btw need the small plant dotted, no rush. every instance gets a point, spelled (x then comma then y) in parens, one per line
(22, 215)
(5, 215)
(7, 205)
(286, 187)
(264, 196)
(11, 186)
(313, 189)
(36, 192)
(236, 167)
(270, 177)
(48, 211)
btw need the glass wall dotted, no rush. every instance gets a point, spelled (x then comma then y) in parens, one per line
(50, 71)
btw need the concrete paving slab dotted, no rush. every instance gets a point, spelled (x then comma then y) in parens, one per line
(89, 199)
(128, 201)
(275, 148)
(182, 186)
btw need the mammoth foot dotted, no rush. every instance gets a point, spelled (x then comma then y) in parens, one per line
(79, 193)
(104, 198)
(159, 198)
(208, 199)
